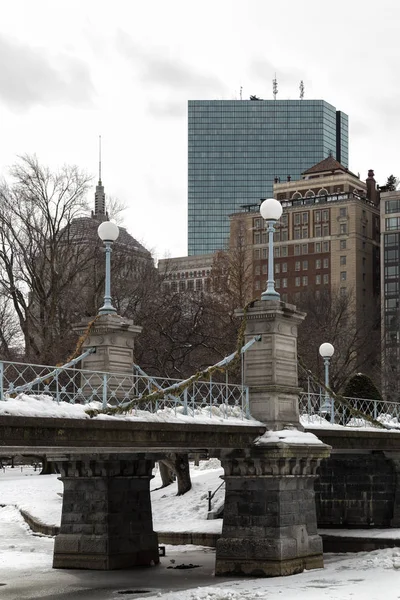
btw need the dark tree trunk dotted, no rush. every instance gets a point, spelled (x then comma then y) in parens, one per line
(48, 468)
(179, 464)
(167, 475)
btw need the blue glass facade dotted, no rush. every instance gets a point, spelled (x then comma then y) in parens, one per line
(236, 149)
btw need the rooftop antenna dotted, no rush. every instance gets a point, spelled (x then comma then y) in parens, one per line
(100, 159)
(301, 90)
(274, 87)
(241, 92)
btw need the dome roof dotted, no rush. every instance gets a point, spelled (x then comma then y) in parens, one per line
(84, 229)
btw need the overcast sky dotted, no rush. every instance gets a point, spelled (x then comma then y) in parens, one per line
(73, 69)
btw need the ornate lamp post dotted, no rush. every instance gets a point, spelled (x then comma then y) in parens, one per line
(326, 350)
(271, 211)
(108, 232)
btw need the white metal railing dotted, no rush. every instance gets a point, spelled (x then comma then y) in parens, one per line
(189, 397)
(74, 385)
(317, 408)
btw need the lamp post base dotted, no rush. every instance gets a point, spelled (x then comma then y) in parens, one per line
(270, 295)
(107, 310)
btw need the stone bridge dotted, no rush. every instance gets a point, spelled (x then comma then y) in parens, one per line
(270, 517)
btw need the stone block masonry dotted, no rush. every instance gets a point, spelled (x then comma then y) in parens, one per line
(270, 366)
(270, 525)
(106, 517)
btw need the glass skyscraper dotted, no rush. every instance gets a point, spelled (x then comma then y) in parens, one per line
(237, 148)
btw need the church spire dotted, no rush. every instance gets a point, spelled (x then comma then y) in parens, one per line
(99, 196)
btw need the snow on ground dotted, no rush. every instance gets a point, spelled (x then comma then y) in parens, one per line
(189, 512)
(365, 575)
(42, 497)
(26, 550)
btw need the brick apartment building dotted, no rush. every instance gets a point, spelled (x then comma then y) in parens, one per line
(328, 236)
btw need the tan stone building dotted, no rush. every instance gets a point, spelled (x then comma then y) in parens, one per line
(186, 273)
(328, 236)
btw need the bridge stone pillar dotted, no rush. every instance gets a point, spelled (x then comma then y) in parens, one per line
(394, 458)
(270, 524)
(106, 518)
(113, 338)
(270, 366)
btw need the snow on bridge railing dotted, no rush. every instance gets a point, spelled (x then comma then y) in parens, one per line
(357, 412)
(81, 386)
(123, 392)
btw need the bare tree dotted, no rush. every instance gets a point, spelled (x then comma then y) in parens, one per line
(39, 256)
(331, 318)
(232, 271)
(11, 341)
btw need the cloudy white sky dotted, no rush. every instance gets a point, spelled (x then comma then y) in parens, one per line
(73, 69)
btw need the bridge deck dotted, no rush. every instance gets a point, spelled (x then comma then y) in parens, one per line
(54, 436)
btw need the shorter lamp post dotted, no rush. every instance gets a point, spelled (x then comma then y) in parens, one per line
(108, 232)
(326, 350)
(271, 211)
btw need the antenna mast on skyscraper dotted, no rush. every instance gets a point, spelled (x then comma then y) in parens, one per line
(100, 159)
(301, 89)
(241, 90)
(274, 87)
